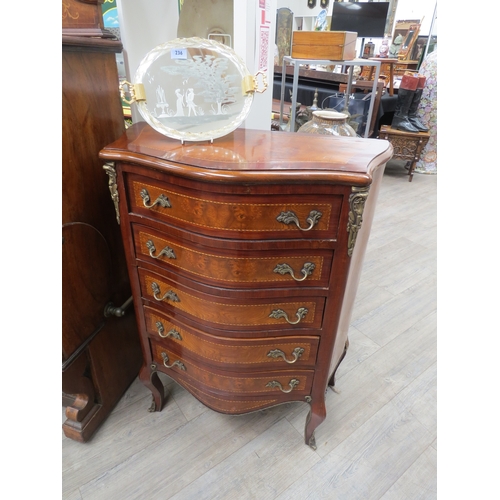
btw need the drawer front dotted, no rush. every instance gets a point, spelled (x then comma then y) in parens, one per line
(211, 266)
(234, 405)
(266, 353)
(241, 217)
(232, 313)
(283, 382)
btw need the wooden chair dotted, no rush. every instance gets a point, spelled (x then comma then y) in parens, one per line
(386, 61)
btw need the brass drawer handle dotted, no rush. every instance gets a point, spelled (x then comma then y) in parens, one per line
(278, 353)
(162, 200)
(178, 363)
(167, 251)
(171, 333)
(285, 268)
(289, 217)
(170, 295)
(293, 384)
(279, 313)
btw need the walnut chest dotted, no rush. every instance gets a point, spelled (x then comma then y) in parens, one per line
(244, 256)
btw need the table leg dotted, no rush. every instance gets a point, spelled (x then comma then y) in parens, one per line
(391, 76)
(410, 171)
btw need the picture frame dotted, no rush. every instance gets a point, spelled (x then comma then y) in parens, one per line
(418, 51)
(403, 26)
(409, 40)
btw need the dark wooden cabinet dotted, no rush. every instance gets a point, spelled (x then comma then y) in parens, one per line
(83, 18)
(244, 257)
(101, 353)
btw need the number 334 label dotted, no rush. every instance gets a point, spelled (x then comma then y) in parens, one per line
(178, 54)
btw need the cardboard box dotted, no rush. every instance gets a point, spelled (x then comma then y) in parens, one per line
(327, 45)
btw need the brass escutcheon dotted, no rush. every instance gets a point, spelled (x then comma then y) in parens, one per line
(109, 168)
(357, 202)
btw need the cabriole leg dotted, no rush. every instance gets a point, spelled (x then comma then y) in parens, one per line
(149, 377)
(316, 415)
(331, 382)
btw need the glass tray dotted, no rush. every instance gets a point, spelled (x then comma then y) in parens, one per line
(193, 89)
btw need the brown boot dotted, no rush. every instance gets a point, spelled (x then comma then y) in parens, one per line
(406, 92)
(412, 113)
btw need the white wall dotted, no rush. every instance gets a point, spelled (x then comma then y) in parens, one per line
(246, 45)
(144, 25)
(300, 8)
(418, 9)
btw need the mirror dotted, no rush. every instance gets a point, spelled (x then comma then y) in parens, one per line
(408, 39)
(212, 20)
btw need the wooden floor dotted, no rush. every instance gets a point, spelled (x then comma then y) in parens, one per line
(379, 439)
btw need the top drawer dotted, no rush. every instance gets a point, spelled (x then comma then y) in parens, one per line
(236, 216)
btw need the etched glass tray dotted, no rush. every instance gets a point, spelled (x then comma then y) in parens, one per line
(193, 89)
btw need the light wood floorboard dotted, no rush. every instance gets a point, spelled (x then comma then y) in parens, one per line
(379, 440)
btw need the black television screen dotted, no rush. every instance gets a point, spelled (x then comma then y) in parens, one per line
(367, 19)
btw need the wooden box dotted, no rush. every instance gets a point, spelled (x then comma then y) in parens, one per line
(328, 45)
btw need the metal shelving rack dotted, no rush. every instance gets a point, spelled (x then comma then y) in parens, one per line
(349, 64)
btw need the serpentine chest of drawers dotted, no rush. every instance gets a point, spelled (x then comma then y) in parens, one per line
(244, 257)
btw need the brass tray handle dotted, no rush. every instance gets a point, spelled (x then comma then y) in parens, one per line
(167, 251)
(171, 333)
(290, 217)
(263, 81)
(251, 84)
(278, 353)
(135, 91)
(279, 313)
(178, 363)
(170, 295)
(285, 268)
(292, 384)
(162, 200)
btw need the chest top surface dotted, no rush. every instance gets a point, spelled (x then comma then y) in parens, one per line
(255, 156)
